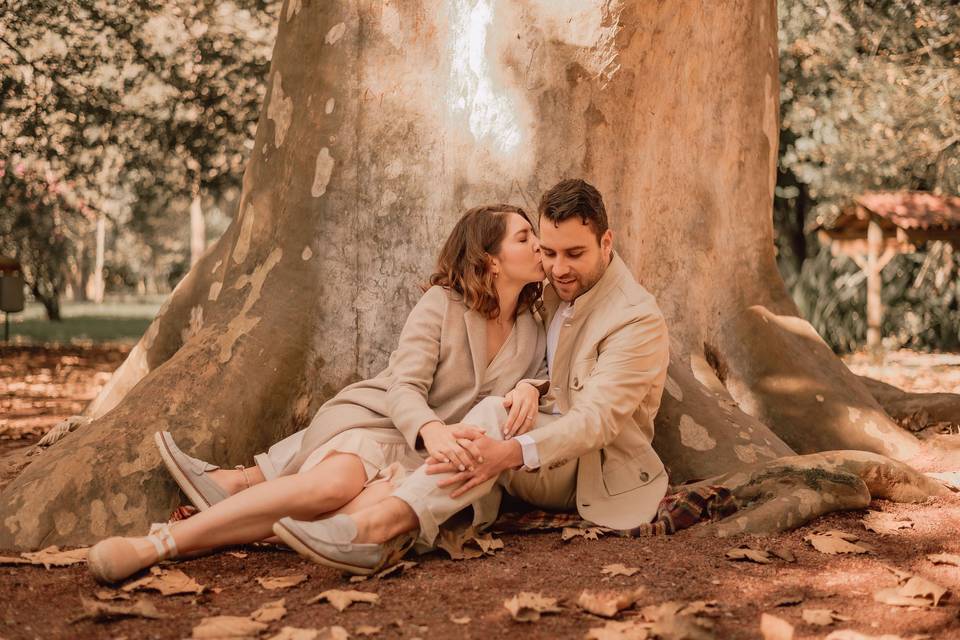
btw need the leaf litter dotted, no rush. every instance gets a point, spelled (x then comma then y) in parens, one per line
(609, 603)
(100, 611)
(885, 523)
(467, 543)
(618, 570)
(834, 542)
(669, 620)
(282, 582)
(168, 582)
(343, 599)
(822, 617)
(529, 607)
(911, 591)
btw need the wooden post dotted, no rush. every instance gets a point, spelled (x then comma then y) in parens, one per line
(874, 284)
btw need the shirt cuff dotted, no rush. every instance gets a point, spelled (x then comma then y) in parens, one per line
(528, 447)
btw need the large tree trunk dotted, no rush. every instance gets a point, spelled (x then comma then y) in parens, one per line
(382, 123)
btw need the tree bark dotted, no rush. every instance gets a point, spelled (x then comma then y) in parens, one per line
(384, 122)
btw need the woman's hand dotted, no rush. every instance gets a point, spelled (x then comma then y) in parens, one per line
(523, 406)
(453, 444)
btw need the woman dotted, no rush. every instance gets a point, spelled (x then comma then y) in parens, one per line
(471, 335)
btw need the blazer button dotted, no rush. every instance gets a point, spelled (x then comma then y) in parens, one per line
(644, 476)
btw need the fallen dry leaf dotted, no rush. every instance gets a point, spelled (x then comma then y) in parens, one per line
(608, 603)
(618, 570)
(850, 634)
(102, 611)
(821, 617)
(282, 582)
(944, 558)
(784, 554)
(528, 607)
(467, 544)
(295, 633)
(774, 628)
(680, 620)
(587, 533)
(833, 542)
(326, 633)
(911, 591)
(343, 599)
(885, 523)
(460, 620)
(270, 611)
(628, 630)
(53, 557)
(12, 560)
(367, 630)
(396, 569)
(221, 627)
(167, 581)
(746, 553)
(106, 594)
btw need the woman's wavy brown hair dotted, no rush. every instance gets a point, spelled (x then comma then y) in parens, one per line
(464, 262)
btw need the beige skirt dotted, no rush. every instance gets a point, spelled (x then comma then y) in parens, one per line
(385, 455)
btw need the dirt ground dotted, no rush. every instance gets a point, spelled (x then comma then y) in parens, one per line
(40, 386)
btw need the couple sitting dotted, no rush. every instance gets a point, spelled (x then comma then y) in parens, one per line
(463, 411)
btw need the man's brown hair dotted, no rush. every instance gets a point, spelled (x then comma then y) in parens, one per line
(464, 261)
(575, 197)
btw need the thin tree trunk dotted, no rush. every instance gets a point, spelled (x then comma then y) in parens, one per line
(198, 230)
(97, 283)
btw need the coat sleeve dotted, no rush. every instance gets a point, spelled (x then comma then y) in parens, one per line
(631, 361)
(414, 364)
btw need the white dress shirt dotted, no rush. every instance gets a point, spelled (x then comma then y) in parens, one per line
(528, 447)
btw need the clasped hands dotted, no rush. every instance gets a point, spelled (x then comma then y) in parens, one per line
(473, 457)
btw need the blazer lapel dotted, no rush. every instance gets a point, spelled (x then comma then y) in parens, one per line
(477, 337)
(550, 303)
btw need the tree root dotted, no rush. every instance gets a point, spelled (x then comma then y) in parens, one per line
(904, 405)
(786, 493)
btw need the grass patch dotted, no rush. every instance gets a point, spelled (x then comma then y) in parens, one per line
(116, 320)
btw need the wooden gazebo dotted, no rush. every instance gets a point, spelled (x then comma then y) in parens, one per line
(878, 225)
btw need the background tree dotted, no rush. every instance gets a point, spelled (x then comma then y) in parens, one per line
(133, 104)
(869, 101)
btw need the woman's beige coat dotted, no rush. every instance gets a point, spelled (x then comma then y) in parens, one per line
(438, 372)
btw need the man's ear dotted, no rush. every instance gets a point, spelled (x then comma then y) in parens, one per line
(606, 244)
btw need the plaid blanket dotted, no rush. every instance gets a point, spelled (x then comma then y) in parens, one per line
(679, 510)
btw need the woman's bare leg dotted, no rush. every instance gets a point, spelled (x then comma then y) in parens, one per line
(248, 516)
(233, 481)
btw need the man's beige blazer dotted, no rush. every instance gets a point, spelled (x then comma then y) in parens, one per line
(438, 372)
(608, 374)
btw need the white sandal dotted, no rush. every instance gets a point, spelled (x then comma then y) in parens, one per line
(115, 559)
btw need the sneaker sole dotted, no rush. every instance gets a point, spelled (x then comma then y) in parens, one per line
(291, 539)
(193, 494)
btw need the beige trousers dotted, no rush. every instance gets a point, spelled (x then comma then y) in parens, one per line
(554, 489)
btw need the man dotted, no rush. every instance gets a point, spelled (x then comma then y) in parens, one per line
(607, 354)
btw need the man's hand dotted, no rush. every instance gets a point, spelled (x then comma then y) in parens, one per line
(522, 403)
(497, 455)
(452, 444)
